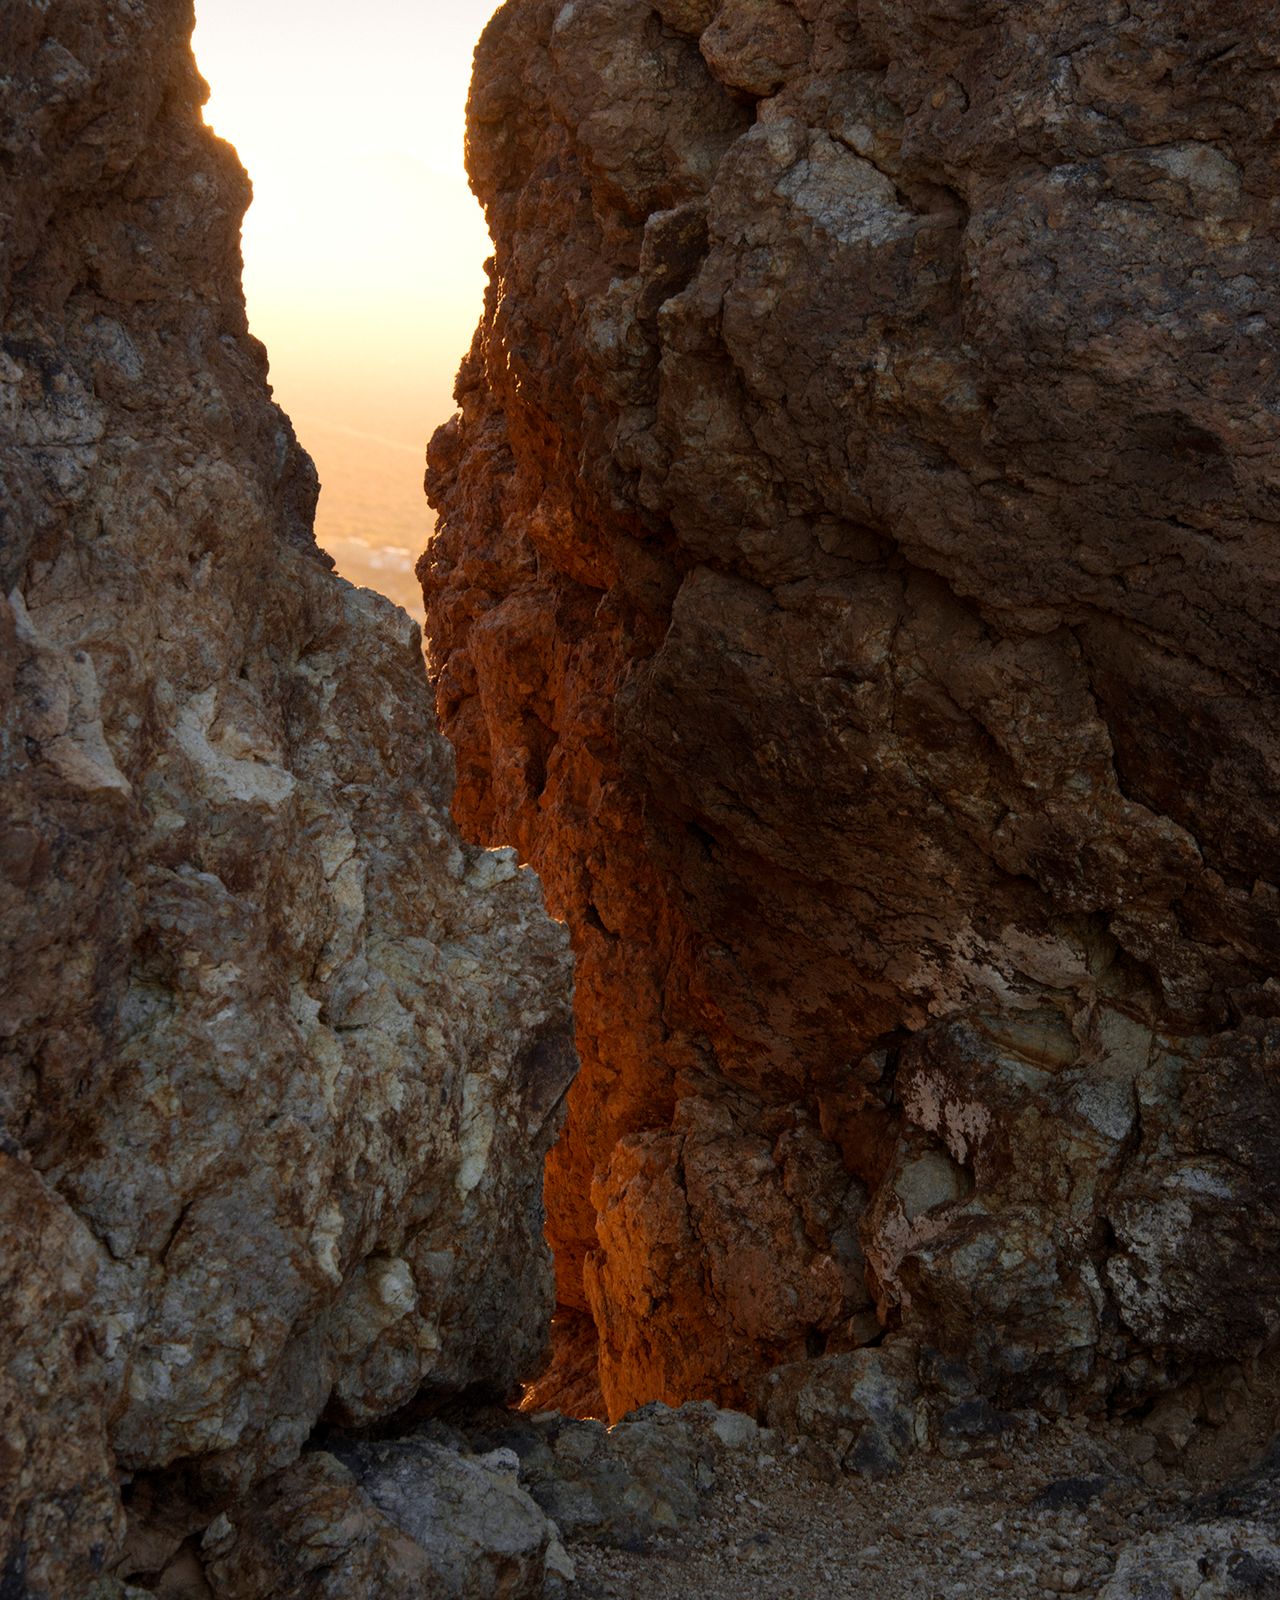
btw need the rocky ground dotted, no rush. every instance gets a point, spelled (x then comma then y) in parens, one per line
(870, 1484)
(1062, 1510)
(878, 1478)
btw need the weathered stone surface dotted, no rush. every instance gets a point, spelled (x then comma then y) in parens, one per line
(1209, 1561)
(57, 1475)
(571, 1379)
(280, 1055)
(388, 1522)
(618, 1485)
(856, 594)
(865, 1406)
(744, 1237)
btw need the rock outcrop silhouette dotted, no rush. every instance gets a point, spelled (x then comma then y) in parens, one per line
(281, 1056)
(856, 594)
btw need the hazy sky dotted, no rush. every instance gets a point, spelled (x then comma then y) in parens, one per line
(363, 247)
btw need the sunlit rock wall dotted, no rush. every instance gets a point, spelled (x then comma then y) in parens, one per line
(857, 594)
(280, 1056)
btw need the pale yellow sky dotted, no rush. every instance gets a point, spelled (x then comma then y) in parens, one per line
(363, 247)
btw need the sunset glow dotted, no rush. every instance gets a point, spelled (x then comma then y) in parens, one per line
(363, 247)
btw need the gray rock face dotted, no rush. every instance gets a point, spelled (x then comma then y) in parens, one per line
(472, 1508)
(1226, 1546)
(864, 1405)
(391, 1522)
(1213, 1561)
(280, 1057)
(623, 1484)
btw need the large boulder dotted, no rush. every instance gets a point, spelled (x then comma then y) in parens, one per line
(856, 592)
(280, 1056)
(391, 1522)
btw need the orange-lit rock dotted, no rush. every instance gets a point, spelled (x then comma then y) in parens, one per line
(856, 594)
(722, 1245)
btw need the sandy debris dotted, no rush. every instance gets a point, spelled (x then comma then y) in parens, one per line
(1048, 1517)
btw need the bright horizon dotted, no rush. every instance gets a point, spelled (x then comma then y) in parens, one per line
(363, 248)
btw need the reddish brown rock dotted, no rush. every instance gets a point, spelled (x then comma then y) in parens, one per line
(856, 594)
(721, 1248)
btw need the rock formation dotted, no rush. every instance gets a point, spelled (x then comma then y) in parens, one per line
(856, 595)
(281, 1056)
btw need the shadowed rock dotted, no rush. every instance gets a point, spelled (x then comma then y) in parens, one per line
(856, 593)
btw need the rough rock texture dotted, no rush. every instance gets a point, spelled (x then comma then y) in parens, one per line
(616, 1485)
(279, 1056)
(856, 595)
(472, 1504)
(864, 1404)
(1212, 1561)
(1071, 1506)
(1225, 1544)
(394, 1522)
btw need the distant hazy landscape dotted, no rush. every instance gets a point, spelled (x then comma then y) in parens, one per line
(363, 249)
(373, 518)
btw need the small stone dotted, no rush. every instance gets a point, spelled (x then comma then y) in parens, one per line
(735, 1430)
(559, 1562)
(1069, 1494)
